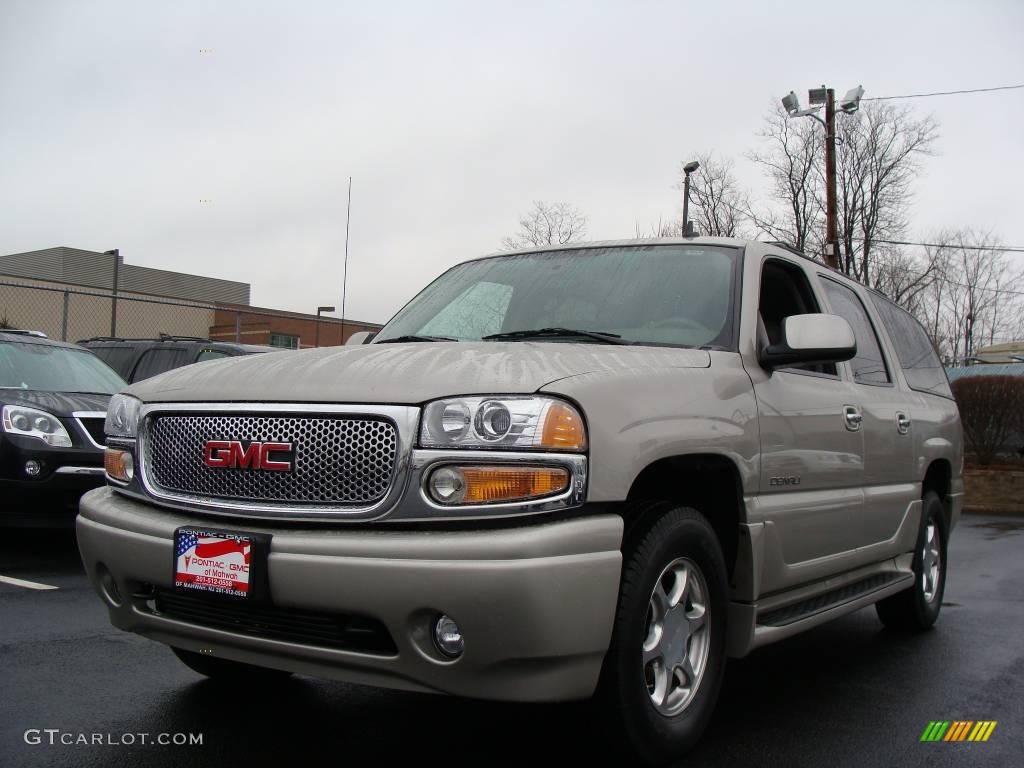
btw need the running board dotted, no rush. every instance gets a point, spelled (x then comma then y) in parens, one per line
(790, 614)
(779, 623)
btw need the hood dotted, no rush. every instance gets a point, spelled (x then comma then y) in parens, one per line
(404, 373)
(61, 404)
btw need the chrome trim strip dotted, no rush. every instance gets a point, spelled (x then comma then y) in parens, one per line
(79, 415)
(80, 471)
(418, 505)
(405, 419)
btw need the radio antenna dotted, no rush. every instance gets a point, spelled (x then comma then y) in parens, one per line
(344, 271)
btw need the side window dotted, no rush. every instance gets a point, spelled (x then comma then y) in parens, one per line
(158, 360)
(210, 354)
(869, 364)
(117, 357)
(918, 358)
(785, 291)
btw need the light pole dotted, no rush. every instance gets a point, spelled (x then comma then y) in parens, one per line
(687, 170)
(319, 310)
(850, 103)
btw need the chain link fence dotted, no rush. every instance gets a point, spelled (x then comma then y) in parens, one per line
(75, 314)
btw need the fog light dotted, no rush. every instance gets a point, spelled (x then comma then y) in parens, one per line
(33, 468)
(448, 637)
(119, 464)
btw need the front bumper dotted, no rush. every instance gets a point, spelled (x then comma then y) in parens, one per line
(535, 604)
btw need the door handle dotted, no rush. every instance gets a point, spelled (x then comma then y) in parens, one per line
(902, 423)
(853, 417)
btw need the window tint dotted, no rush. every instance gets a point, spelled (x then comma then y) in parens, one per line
(786, 292)
(211, 354)
(917, 356)
(118, 358)
(159, 360)
(868, 365)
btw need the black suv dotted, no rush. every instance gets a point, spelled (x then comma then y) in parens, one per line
(53, 402)
(137, 359)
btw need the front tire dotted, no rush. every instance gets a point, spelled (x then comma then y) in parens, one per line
(664, 667)
(917, 608)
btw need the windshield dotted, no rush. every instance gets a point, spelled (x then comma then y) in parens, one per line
(48, 368)
(648, 294)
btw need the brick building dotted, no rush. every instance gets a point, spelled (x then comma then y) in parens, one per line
(72, 294)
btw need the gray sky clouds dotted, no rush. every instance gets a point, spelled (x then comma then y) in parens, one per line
(451, 118)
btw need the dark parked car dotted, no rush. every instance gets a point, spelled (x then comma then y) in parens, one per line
(53, 401)
(137, 359)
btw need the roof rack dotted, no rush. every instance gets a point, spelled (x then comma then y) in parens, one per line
(100, 338)
(171, 337)
(24, 332)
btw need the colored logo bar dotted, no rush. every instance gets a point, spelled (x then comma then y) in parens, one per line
(958, 730)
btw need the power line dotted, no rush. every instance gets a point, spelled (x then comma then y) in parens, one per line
(954, 246)
(945, 93)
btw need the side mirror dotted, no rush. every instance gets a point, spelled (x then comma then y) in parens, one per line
(360, 337)
(810, 340)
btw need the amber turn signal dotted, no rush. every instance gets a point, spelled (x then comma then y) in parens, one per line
(563, 429)
(491, 485)
(119, 464)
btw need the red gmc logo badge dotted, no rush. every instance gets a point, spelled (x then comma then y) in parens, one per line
(234, 454)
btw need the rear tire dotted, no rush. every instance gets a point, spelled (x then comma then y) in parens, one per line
(228, 671)
(664, 667)
(917, 608)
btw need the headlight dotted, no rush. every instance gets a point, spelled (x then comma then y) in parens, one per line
(524, 423)
(18, 420)
(123, 416)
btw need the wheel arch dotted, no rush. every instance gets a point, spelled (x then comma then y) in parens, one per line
(939, 478)
(709, 482)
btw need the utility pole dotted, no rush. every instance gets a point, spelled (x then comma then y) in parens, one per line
(687, 170)
(849, 104)
(832, 234)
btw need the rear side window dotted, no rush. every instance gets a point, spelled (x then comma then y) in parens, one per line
(868, 365)
(211, 354)
(118, 358)
(159, 360)
(920, 362)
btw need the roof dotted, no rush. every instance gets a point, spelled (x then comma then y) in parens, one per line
(25, 338)
(989, 369)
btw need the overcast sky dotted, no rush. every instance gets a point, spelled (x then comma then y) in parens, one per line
(451, 118)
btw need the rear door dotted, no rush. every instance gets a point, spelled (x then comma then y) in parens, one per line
(889, 487)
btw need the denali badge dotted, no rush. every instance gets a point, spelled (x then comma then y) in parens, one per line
(233, 454)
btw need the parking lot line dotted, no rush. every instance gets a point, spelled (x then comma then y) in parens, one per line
(25, 584)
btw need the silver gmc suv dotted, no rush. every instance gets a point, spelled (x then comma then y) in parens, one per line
(592, 470)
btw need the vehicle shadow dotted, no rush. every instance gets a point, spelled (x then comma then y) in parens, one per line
(781, 702)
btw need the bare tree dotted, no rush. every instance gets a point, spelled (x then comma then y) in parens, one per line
(791, 157)
(877, 159)
(968, 301)
(548, 224)
(717, 203)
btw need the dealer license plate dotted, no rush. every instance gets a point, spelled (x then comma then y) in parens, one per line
(217, 562)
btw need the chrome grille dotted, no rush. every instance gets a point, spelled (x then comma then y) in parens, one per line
(338, 461)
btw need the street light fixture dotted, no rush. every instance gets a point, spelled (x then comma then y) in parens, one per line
(319, 310)
(850, 103)
(689, 168)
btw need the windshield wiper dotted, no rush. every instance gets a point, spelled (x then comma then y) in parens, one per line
(539, 333)
(415, 338)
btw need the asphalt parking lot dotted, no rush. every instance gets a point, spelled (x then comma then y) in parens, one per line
(849, 693)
